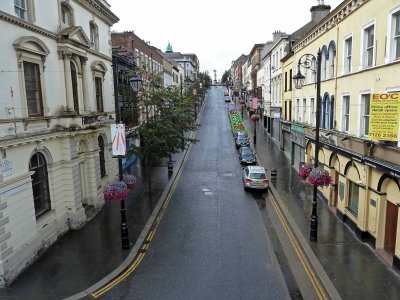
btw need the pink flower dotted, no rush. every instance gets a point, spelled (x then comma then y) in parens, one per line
(130, 181)
(319, 177)
(305, 170)
(116, 191)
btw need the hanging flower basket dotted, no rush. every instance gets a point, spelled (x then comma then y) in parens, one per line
(255, 117)
(319, 177)
(305, 170)
(116, 191)
(130, 181)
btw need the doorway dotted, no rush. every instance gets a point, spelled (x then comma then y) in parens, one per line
(390, 227)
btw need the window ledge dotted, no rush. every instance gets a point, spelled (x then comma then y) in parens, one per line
(352, 212)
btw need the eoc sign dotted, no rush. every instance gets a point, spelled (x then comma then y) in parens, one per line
(384, 117)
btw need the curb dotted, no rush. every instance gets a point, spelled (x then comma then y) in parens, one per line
(319, 270)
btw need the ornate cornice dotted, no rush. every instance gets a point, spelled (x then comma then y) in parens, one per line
(24, 24)
(100, 10)
(340, 13)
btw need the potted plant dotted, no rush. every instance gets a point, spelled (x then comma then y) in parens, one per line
(305, 170)
(130, 181)
(319, 177)
(116, 191)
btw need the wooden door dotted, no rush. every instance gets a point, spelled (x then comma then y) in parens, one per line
(391, 227)
(336, 189)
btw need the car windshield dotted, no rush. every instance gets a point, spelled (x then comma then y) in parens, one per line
(247, 153)
(257, 175)
(242, 138)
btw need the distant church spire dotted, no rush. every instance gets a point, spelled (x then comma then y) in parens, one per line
(169, 48)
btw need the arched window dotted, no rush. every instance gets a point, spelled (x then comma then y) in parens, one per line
(67, 16)
(99, 69)
(332, 57)
(40, 184)
(313, 66)
(322, 112)
(331, 111)
(94, 36)
(101, 157)
(74, 80)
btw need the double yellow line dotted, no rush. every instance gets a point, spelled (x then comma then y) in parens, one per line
(146, 244)
(319, 289)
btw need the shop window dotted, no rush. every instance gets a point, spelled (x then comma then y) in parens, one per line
(353, 198)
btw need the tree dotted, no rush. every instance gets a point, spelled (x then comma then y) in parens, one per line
(225, 77)
(167, 116)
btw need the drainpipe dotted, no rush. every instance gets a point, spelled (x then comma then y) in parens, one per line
(366, 202)
(336, 72)
(270, 94)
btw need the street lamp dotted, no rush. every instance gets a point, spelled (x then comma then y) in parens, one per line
(242, 102)
(255, 118)
(306, 61)
(135, 85)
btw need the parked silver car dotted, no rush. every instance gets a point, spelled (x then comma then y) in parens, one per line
(255, 177)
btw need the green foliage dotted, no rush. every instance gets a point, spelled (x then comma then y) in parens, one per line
(168, 118)
(225, 77)
(129, 108)
(237, 123)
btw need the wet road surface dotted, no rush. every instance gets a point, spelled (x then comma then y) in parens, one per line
(212, 242)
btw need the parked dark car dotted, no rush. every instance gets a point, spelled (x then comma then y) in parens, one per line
(241, 139)
(247, 156)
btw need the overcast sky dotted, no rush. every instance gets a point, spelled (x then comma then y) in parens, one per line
(217, 31)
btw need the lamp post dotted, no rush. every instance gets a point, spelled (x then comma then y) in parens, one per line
(242, 102)
(135, 83)
(306, 62)
(255, 118)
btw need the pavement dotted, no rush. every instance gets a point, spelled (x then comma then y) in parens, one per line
(82, 260)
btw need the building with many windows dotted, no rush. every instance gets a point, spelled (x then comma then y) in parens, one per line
(56, 94)
(359, 42)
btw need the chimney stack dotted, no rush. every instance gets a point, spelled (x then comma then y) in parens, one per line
(319, 11)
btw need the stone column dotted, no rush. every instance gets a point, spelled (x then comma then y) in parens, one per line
(68, 82)
(86, 105)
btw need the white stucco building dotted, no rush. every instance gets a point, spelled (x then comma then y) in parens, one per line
(57, 100)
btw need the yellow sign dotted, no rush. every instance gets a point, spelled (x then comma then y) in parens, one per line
(384, 115)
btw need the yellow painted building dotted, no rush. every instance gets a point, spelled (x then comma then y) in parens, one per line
(360, 44)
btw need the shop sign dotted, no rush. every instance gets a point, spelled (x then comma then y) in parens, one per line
(118, 139)
(286, 127)
(297, 128)
(384, 117)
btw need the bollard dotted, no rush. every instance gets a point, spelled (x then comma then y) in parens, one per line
(273, 174)
(170, 167)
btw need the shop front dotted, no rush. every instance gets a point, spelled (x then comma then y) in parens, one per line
(286, 142)
(276, 124)
(298, 144)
